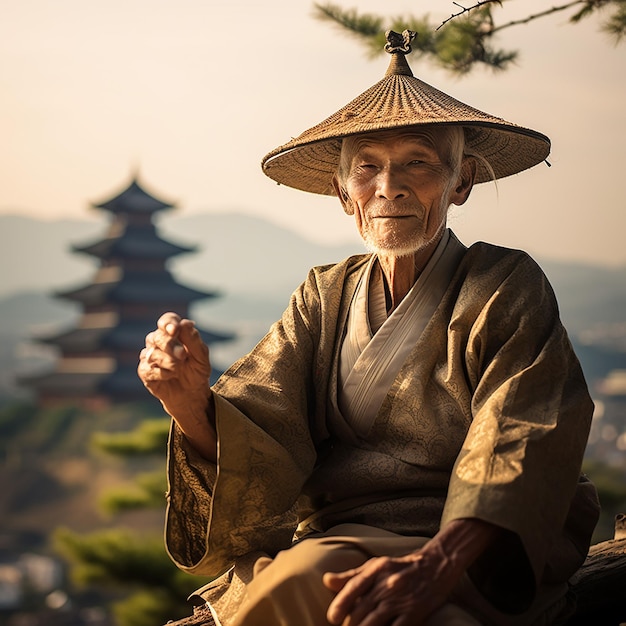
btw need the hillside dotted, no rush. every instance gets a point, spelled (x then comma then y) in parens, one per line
(52, 477)
(254, 265)
(240, 254)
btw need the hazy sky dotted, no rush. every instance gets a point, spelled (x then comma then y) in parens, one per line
(191, 94)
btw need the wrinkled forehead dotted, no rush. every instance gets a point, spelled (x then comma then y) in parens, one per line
(437, 138)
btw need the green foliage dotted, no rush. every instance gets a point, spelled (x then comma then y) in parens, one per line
(158, 605)
(52, 426)
(129, 564)
(63, 429)
(611, 485)
(119, 559)
(33, 429)
(463, 43)
(147, 492)
(609, 481)
(365, 25)
(615, 25)
(457, 47)
(147, 608)
(149, 437)
(114, 557)
(13, 419)
(467, 38)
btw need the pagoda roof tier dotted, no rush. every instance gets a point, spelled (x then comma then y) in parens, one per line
(65, 383)
(126, 335)
(142, 245)
(144, 287)
(134, 199)
(123, 383)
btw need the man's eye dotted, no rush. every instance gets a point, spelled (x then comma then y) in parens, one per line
(416, 162)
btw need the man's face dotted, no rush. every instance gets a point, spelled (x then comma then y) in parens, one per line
(399, 189)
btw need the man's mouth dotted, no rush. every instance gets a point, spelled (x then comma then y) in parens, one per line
(393, 217)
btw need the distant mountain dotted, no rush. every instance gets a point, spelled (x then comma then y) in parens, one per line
(236, 253)
(243, 256)
(35, 254)
(589, 296)
(254, 265)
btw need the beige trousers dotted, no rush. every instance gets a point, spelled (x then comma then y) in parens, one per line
(288, 590)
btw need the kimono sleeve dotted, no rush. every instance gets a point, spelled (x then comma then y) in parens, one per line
(520, 463)
(248, 502)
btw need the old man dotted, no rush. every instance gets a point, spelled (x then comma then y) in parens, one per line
(404, 446)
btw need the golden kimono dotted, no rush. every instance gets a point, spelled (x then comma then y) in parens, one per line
(487, 418)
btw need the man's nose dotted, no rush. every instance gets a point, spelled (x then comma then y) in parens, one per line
(390, 185)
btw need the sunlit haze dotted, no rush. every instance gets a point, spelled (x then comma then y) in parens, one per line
(190, 95)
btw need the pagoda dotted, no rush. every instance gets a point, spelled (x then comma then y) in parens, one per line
(129, 292)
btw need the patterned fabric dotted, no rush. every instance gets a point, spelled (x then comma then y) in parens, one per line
(487, 418)
(202, 616)
(368, 362)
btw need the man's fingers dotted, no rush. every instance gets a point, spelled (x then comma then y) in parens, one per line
(174, 366)
(169, 322)
(184, 356)
(160, 342)
(336, 581)
(161, 358)
(353, 588)
(166, 362)
(154, 364)
(179, 352)
(190, 338)
(178, 337)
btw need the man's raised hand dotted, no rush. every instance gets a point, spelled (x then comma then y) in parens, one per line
(175, 368)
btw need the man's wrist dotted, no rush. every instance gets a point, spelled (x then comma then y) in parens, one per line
(464, 540)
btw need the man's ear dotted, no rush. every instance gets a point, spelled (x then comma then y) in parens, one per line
(466, 182)
(343, 196)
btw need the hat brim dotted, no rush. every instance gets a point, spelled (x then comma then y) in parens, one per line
(310, 161)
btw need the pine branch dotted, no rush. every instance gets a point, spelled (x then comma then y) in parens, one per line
(467, 42)
(364, 25)
(480, 3)
(615, 26)
(590, 5)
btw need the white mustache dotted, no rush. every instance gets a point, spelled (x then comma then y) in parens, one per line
(395, 209)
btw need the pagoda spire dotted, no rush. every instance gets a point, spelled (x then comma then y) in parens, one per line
(130, 290)
(134, 199)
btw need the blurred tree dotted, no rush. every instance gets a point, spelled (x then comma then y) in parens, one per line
(609, 481)
(149, 438)
(120, 559)
(155, 590)
(468, 37)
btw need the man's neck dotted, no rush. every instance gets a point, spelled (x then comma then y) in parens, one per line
(401, 272)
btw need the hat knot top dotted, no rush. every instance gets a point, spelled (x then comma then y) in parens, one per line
(402, 101)
(399, 45)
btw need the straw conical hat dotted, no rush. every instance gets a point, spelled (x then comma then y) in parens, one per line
(400, 100)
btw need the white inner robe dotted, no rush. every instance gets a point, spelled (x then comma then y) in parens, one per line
(376, 345)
